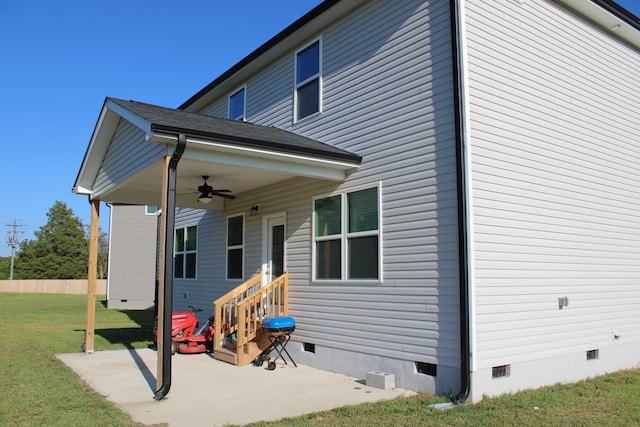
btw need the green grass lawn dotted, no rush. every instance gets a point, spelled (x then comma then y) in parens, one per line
(36, 389)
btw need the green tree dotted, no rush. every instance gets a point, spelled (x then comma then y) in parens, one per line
(60, 250)
(5, 267)
(103, 255)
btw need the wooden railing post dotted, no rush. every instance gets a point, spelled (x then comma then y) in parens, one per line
(247, 305)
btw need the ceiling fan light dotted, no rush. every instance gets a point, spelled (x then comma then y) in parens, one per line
(205, 199)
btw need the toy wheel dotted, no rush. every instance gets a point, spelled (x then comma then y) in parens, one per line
(174, 347)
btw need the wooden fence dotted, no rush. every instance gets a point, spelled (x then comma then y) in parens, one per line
(52, 286)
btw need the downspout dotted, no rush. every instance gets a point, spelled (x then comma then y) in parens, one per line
(465, 254)
(164, 353)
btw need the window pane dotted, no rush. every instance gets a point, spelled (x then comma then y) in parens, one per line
(191, 266)
(363, 210)
(178, 265)
(328, 255)
(308, 63)
(192, 238)
(277, 251)
(234, 236)
(308, 99)
(236, 105)
(179, 241)
(234, 264)
(328, 212)
(363, 258)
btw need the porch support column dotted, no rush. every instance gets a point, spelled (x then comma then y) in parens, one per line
(165, 288)
(92, 276)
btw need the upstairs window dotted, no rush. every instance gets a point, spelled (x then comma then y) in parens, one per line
(347, 236)
(185, 252)
(235, 247)
(237, 105)
(307, 96)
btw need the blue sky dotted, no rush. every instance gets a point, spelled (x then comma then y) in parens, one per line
(60, 59)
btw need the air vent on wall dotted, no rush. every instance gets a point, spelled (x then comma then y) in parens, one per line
(501, 371)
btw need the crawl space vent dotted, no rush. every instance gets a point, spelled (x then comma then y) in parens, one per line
(501, 371)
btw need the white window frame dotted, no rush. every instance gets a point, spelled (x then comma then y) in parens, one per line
(244, 104)
(241, 246)
(298, 85)
(344, 237)
(152, 210)
(186, 252)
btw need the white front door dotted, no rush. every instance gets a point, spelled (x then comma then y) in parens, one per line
(273, 238)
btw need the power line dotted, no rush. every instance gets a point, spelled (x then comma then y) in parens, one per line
(12, 241)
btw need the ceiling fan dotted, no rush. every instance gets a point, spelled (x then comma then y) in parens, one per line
(207, 192)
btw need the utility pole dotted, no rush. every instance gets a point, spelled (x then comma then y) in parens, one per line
(12, 241)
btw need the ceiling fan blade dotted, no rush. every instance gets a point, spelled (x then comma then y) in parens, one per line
(226, 196)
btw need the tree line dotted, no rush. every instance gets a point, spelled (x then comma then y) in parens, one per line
(60, 250)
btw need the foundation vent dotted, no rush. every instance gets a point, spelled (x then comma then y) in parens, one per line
(430, 369)
(308, 347)
(501, 371)
(593, 354)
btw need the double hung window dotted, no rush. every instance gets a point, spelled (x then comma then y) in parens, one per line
(308, 84)
(237, 105)
(185, 252)
(235, 247)
(346, 234)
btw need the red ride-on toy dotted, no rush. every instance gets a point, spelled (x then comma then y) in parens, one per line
(183, 326)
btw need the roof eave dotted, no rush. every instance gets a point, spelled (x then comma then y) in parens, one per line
(160, 132)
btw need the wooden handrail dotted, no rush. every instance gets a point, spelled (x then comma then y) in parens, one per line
(241, 311)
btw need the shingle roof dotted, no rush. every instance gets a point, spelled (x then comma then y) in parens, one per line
(234, 132)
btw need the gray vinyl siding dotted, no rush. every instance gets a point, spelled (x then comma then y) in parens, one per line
(387, 96)
(128, 153)
(132, 258)
(555, 121)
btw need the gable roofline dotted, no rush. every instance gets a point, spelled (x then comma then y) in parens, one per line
(327, 10)
(288, 31)
(595, 10)
(619, 11)
(163, 125)
(609, 16)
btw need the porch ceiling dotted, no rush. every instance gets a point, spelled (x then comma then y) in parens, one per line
(235, 155)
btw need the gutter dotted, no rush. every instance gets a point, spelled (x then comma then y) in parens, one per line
(164, 353)
(463, 169)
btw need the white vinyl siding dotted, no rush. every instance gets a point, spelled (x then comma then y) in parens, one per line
(128, 153)
(132, 258)
(555, 121)
(387, 95)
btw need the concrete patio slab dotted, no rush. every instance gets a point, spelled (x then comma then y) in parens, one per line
(207, 392)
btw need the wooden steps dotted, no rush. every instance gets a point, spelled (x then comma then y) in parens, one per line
(229, 355)
(240, 313)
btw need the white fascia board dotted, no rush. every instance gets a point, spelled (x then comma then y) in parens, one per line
(200, 149)
(105, 126)
(607, 21)
(132, 118)
(256, 159)
(102, 134)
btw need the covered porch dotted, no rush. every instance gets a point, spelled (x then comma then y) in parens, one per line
(149, 155)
